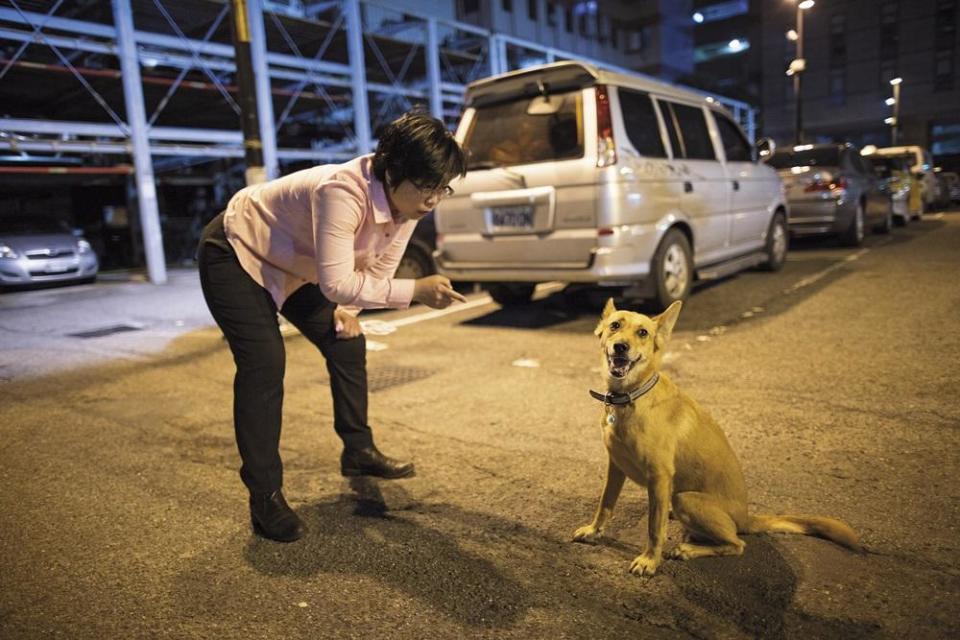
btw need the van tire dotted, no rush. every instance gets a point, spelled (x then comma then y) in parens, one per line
(778, 241)
(672, 270)
(414, 264)
(511, 294)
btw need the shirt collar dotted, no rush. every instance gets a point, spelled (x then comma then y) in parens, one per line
(378, 194)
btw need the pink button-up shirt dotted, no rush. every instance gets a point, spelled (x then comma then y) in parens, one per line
(329, 225)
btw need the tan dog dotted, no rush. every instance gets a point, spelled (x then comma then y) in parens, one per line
(661, 439)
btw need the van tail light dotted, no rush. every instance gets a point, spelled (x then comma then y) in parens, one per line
(824, 183)
(604, 231)
(606, 148)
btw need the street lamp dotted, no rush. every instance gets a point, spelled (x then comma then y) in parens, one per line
(797, 68)
(895, 124)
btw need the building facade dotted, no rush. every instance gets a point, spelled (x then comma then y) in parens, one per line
(852, 48)
(650, 36)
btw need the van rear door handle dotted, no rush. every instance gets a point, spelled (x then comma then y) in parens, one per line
(736, 185)
(687, 186)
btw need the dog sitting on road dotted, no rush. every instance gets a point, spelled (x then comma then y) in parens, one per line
(660, 438)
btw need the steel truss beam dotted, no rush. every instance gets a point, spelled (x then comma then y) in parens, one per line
(136, 48)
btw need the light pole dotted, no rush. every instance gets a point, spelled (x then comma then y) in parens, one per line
(797, 67)
(895, 123)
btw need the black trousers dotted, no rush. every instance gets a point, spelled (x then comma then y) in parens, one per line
(247, 315)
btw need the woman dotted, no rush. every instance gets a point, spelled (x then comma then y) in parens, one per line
(317, 246)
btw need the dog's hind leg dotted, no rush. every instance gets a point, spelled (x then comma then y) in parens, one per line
(608, 500)
(706, 518)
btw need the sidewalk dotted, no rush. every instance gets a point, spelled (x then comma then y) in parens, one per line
(121, 316)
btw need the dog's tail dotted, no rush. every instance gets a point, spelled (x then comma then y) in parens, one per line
(829, 528)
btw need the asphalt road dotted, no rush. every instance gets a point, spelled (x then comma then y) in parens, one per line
(121, 513)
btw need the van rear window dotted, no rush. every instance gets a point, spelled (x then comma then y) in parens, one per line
(525, 131)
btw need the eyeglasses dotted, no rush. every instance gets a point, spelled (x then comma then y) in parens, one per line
(440, 192)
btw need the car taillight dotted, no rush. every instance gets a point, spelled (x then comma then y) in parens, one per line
(606, 148)
(820, 184)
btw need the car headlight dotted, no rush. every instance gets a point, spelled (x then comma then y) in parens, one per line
(7, 252)
(83, 246)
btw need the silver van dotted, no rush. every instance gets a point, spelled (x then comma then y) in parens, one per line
(579, 174)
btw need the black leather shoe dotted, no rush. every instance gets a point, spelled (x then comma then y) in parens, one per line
(273, 518)
(368, 461)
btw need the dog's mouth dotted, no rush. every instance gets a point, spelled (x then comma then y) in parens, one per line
(619, 366)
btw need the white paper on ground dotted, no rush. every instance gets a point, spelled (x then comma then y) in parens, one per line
(377, 327)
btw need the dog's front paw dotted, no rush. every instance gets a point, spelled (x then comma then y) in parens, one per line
(644, 564)
(587, 533)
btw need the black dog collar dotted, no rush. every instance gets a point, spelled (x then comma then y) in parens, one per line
(626, 398)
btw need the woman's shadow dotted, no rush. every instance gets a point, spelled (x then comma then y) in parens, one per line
(357, 533)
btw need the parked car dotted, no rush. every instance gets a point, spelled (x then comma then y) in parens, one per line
(584, 175)
(921, 166)
(37, 249)
(832, 190)
(895, 180)
(953, 185)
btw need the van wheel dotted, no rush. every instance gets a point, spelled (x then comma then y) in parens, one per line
(853, 236)
(511, 294)
(414, 265)
(672, 270)
(777, 242)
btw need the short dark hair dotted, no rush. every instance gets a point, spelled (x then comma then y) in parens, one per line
(419, 148)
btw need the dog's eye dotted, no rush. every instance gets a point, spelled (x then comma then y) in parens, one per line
(643, 333)
(614, 326)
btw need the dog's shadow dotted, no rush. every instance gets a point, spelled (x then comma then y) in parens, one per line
(754, 592)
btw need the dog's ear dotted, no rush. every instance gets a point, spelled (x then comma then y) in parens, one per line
(665, 323)
(607, 310)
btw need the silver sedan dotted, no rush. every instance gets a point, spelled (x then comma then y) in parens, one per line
(36, 249)
(832, 190)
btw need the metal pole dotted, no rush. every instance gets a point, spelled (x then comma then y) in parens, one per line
(493, 54)
(798, 111)
(896, 115)
(361, 108)
(247, 98)
(137, 122)
(261, 75)
(433, 69)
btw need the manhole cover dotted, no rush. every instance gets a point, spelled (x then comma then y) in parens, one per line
(105, 331)
(380, 379)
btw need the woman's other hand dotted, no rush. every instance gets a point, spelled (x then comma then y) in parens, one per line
(346, 325)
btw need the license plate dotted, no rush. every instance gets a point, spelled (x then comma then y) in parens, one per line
(518, 217)
(59, 266)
